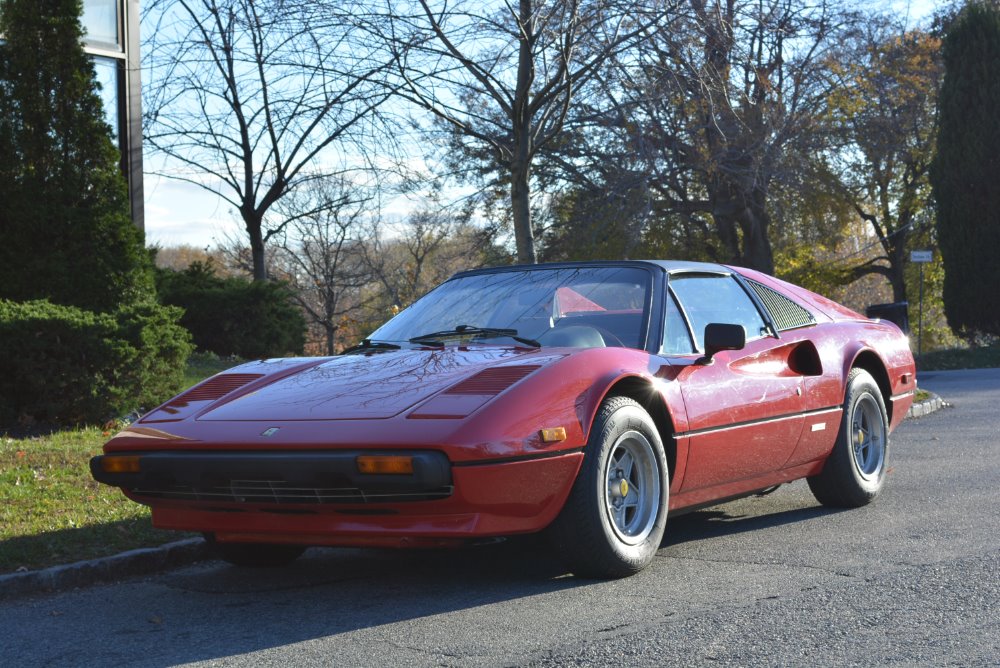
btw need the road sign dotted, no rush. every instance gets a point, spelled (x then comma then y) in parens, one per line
(922, 256)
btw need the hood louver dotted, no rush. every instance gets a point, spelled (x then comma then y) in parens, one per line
(466, 397)
(216, 388)
(493, 381)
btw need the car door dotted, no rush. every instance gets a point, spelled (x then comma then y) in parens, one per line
(744, 408)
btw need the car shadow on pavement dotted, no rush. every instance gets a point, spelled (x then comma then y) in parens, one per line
(720, 521)
(211, 610)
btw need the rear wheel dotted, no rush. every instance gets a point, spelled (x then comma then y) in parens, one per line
(615, 516)
(854, 472)
(256, 555)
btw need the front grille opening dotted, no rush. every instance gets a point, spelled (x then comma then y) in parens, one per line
(291, 511)
(273, 492)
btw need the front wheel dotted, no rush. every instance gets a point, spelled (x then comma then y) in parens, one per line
(616, 513)
(854, 472)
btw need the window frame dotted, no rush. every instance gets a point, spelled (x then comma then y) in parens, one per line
(765, 316)
(97, 46)
(692, 339)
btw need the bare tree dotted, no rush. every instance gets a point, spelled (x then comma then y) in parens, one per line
(321, 254)
(504, 75)
(254, 99)
(412, 256)
(884, 109)
(711, 114)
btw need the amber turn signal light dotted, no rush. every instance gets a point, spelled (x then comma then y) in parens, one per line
(385, 464)
(553, 434)
(120, 463)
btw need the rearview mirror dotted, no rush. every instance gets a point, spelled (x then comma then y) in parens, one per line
(722, 336)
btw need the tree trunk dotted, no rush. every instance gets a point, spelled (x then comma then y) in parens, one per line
(521, 121)
(897, 277)
(725, 209)
(331, 337)
(734, 208)
(757, 252)
(725, 229)
(521, 207)
(253, 228)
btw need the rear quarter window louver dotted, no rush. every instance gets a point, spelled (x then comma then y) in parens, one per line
(786, 313)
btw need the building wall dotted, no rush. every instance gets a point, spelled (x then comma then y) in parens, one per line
(112, 39)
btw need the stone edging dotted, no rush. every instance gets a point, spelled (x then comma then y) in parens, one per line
(134, 562)
(927, 406)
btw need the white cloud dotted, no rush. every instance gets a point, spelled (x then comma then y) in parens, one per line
(182, 213)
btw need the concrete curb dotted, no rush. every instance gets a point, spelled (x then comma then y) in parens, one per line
(927, 406)
(82, 573)
(183, 552)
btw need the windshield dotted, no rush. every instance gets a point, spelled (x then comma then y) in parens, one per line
(568, 306)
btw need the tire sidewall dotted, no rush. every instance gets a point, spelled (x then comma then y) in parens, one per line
(861, 384)
(612, 423)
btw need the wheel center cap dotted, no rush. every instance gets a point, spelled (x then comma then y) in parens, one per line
(623, 488)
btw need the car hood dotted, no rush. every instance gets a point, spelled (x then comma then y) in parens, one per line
(368, 386)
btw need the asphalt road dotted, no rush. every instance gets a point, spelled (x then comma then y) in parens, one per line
(912, 580)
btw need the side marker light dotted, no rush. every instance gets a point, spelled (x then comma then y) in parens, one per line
(553, 434)
(385, 464)
(120, 463)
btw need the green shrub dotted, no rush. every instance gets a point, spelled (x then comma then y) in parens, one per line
(64, 365)
(233, 316)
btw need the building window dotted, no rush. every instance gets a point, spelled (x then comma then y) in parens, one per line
(107, 77)
(111, 38)
(100, 21)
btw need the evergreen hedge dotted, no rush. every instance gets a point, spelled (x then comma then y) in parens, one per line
(65, 365)
(234, 316)
(965, 171)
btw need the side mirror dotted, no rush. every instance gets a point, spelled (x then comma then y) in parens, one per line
(721, 336)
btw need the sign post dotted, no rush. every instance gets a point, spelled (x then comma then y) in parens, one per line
(921, 257)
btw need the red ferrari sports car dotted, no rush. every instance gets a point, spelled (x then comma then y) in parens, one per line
(586, 400)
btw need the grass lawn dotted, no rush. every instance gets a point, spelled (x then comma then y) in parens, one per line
(960, 358)
(53, 512)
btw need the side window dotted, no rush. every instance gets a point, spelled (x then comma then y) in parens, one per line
(708, 298)
(676, 337)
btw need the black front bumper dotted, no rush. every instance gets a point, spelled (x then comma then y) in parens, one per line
(278, 477)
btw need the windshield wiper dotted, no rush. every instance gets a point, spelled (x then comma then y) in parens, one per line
(436, 338)
(367, 345)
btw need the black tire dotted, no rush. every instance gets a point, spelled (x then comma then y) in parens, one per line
(854, 473)
(614, 519)
(256, 555)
